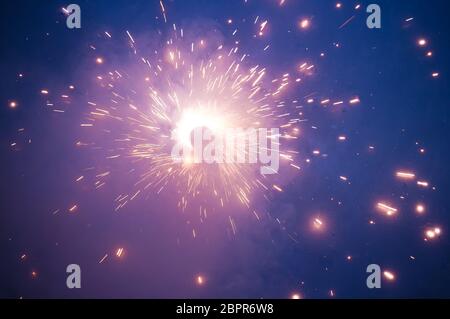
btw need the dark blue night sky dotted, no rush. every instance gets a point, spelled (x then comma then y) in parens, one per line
(399, 124)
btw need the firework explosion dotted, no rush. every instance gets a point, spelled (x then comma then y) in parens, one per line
(144, 113)
(141, 95)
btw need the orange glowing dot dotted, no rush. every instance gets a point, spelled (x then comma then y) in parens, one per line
(13, 104)
(420, 209)
(338, 5)
(389, 275)
(432, 233)
(200, 280)
(99, 60)
(34, 274)
(422, 42)
(296, 296)
(429, 54)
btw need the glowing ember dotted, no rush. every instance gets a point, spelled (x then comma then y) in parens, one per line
(389, 275)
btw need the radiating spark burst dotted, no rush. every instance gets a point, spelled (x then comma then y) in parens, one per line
(143, 117)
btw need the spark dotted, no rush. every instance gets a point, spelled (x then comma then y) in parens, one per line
(354, 101)
(388, 210)
(119, 252)
(305, 24)
(163, 10)
(278, 188)
(405, 175)
(420, 208)
(389, 275)
(13, 104)
(103, 259)
(200, 280)
(317, 224)
(422, 183)
(432, 233)
(211, 96)
(262, 27)
(422, 42)
(347, 22)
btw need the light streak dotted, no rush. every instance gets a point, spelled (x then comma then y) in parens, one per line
(388, 210)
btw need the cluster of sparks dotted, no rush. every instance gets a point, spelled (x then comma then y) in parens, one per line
(179, 90)
(180, 96)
